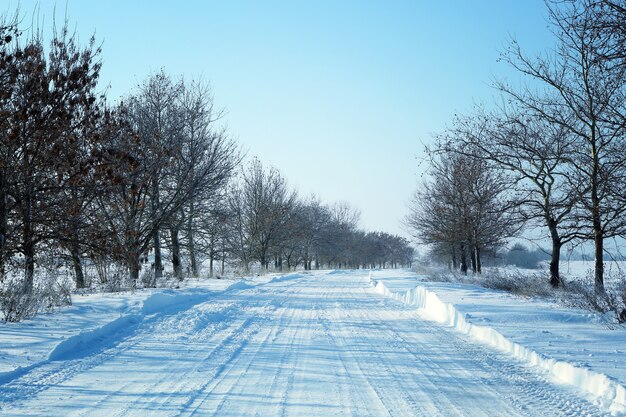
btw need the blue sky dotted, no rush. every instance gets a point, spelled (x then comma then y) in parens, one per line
(338, 95)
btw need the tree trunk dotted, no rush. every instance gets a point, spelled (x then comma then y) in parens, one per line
(191, 244)
(555, 257)
(473, 259)
(211, 258)
(28, 244)
(463, 260)
(77, 264)
(158, 262)
(599, 261)
(29, 265)
(4, 215)
(176, 264)
(598, 234)
(134, 267)
(156, 239)
(479, 265)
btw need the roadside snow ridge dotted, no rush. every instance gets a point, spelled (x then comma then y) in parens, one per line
(606, 392)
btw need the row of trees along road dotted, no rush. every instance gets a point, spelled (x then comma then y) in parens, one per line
(99, 186)
(554, 149)
(268, 223)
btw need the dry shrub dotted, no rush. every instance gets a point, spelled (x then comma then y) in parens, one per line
(51, 290)
(523, 284)
(581, 294)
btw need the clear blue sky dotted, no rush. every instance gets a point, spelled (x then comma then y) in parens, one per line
(338, 95)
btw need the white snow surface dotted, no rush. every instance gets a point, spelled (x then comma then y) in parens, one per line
(575, 347)
(316, 344)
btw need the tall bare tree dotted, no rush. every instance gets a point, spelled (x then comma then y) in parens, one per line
(47, 103)
(211, 158)
(535, 153)
(158, 119)
(584, 93)
(464, 207)
(268, 204)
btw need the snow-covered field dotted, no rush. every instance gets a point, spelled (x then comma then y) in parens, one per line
(584, 269)
(576, 270)
(324, 343)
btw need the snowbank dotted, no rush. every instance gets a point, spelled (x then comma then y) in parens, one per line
(607, 392)
(94, 323)
(97, 322)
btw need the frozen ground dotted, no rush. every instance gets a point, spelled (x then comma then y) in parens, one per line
(320, 344)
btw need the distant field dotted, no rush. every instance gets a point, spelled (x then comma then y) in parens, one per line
(584, 269)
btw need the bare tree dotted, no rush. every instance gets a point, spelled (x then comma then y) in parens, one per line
(238, 234)
(46, 104)
(535, 153)
(585, 95)
(339, 235)
(211, 157)
(8, 77)
(76, 71)
(463, 207)
(158, 119)
(268, 205)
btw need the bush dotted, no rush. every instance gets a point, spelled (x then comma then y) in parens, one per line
(50, 291)
(523, 284)
(612, 301)
(526, 285)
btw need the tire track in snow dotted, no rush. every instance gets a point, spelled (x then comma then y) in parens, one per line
(205, 392)
(532, 394)
(396, 402)
(252, 317)
(56, 374)
(299, 359)
(230, 346)
(53, 373)
(196, 316)
(317, 346)
(354, 373)
(439, 401)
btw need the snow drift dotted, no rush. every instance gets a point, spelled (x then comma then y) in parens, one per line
(106, 334)
(605, 391)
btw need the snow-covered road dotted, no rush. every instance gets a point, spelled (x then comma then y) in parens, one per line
(320, 345)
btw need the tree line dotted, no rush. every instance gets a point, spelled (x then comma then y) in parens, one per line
(269, 224)
(99, 186)
(552, 154)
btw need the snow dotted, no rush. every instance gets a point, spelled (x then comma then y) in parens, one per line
(575, 270)
(572, 345)
(584, 269)
(311, 344)
(91, 317)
